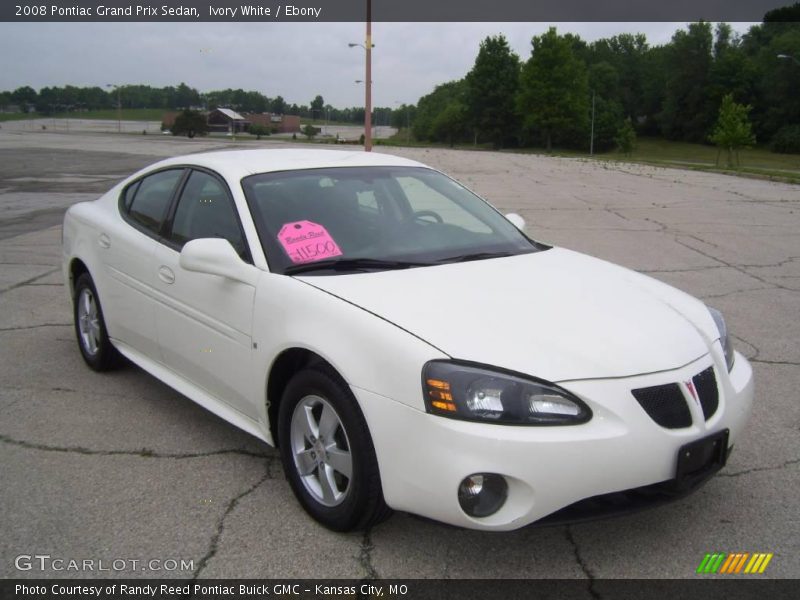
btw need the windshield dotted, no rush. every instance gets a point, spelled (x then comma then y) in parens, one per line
(335, 220)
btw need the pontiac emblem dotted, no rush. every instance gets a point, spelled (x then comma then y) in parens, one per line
(690, 386)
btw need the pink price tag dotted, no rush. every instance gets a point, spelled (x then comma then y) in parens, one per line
(305, 241)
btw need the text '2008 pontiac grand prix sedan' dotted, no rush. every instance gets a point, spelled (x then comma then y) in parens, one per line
(404, 344)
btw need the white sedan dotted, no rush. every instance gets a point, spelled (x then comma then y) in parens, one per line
(404, 344)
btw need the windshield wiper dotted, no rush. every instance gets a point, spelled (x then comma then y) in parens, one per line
(353, 264)
(474, 256)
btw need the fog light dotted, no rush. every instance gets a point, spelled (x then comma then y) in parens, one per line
(482, 494)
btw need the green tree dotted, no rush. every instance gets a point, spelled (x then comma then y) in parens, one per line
(626, 53)
(626, 137)
(450, 124)
(310, 131)
(554, 97)
(403, 117)
(258, 130)
(48, 100)
(190, 123)
(733, 130)
(317, 106)
(278, 106)
(431, 126)
(93, 98)
(24, 96)
(186, 97)
(490, 89)
(608, 111)
(687, 112)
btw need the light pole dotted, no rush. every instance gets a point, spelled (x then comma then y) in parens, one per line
(789, 57)
(367, 120)
(367, 46)
(119, 106)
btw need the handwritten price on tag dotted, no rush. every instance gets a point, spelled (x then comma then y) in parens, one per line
(305, 241)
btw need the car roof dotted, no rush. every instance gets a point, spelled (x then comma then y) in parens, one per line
(235, 164)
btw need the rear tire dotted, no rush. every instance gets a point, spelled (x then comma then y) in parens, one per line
(327, 452)
(90, 327)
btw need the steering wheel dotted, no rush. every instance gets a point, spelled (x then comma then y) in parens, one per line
(419, 215)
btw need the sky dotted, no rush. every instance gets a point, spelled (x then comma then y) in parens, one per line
(294, 60)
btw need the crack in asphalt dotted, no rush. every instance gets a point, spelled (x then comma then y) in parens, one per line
(581, 562)
(26, 327)
(28, 281)
(732, 292)
(778, 264)
(214, 543)
(662, 228)
(141, 453)
(45, 388)
(687, 270)
(617, 214)
(365, 556)
(775, 362)
(743, 271)
(785, 464)
(694, 237)
(756, 349)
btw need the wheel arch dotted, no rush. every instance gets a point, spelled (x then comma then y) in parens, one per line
(289, 362)
(76, 268)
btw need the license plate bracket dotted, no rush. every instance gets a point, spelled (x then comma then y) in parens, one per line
(702, 457)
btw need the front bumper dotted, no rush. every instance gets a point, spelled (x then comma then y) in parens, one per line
(423, 457)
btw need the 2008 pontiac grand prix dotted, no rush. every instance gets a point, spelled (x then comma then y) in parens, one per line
(404, 344)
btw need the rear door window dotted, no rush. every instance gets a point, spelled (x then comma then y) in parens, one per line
(148, 207)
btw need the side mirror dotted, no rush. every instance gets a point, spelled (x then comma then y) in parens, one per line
(516, 220)
(215, 256)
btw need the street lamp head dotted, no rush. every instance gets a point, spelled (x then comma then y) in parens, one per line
(784, 56)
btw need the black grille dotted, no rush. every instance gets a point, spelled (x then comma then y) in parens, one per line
(665, 404)
(706, 385)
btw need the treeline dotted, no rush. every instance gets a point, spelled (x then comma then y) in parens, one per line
(70, 98)
(673, 91)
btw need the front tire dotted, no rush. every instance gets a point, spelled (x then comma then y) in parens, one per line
(327, 452)
(90, 327)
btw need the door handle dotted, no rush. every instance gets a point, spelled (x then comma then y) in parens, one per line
(104, 241)
(166, 275)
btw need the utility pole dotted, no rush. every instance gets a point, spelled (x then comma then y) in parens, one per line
(368, 83)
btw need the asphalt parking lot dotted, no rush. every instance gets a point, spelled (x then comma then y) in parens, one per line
(118, 466)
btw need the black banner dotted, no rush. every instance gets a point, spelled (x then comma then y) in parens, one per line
(387, 10)
(706, 587)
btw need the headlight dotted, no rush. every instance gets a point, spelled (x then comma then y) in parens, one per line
(724, 338)
(480, 394)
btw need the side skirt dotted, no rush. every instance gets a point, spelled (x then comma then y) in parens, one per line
(196, 394)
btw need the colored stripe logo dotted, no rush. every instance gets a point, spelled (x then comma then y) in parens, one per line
(721, 563)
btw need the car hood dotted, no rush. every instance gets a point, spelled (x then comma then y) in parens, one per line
(557, 314)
